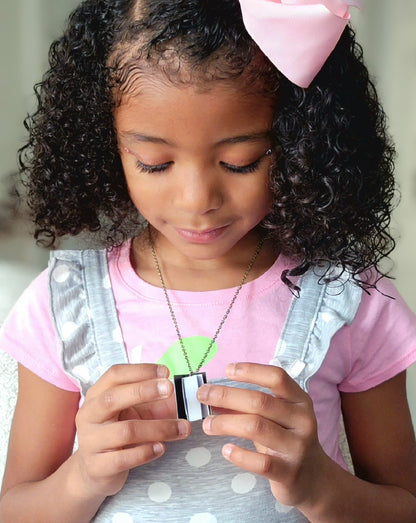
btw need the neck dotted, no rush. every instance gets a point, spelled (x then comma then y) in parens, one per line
(181, 273)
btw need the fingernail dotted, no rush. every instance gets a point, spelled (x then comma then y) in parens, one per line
(157, 448)
(226, 451)
(207, 423)
(183, 428)
(162, 388)
(231, 369)
(203, 392)
(162, 371)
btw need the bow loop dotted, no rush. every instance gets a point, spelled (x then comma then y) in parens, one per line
(297, 35)
(338, 7)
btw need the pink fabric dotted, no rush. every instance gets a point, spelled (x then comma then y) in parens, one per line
(380, 343)
(297, 35)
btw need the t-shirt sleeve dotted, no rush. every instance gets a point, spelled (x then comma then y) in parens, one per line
(28, 335)
(382, 339)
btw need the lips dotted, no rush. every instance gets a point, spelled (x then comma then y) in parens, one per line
(205, 236)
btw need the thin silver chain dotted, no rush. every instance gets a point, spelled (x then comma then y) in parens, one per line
(227, 312)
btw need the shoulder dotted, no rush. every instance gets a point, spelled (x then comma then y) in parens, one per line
(381, 338)
(34, 299)
(385, 306)
(28, 334)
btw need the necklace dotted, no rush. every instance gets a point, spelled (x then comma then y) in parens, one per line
(187, 385)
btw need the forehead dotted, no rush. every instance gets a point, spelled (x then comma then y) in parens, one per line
(210, 112)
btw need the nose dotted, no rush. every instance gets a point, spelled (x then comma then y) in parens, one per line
(200, 192)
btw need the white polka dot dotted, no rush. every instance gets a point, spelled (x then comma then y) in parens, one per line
(82, 372)
(61, 273)
(68, 329)
(282, 509)
(327, 317)
(107, 282)
(136, 354)
(117, 335)
(203, 517)
(122, 517)
(159, 492)
(198, 457)
(243, 483)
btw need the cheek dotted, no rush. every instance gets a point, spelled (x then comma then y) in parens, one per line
(258, 200)
(140, 187)
(145, 200)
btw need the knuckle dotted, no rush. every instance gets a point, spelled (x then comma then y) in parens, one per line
(255, 426)
(138, 394)
(266, 465)
(309, 425)
(279, 377)
(107, 400)
(113, 371)
(120, 462)
(223, 393)
(308, 421)
(260, 401)
(127, 432)
(217, 394)
(114, 374)
(308, 403)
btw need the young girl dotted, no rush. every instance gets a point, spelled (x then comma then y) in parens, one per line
(234, 157)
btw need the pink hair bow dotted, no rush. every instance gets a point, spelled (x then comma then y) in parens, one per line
(297, 35)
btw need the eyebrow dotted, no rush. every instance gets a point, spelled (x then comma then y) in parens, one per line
(244, 138)
(137, 137)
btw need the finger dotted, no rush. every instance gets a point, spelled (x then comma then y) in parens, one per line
(128, 373)
(251, 402)
(110, 402)
(250, 427)
(264, 465)
(165, 409)
(129, 433)
(108, 464)
(271, 377)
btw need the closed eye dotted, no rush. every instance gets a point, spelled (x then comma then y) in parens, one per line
(243, 169)
(158, 168)
(238, 169)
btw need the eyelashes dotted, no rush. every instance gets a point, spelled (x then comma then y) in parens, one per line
(236, 169)
(152, 168)
(242, 169)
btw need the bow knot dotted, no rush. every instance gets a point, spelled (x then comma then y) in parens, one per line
(297, 35)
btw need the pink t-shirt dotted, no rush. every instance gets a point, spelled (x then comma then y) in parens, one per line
(380, 342)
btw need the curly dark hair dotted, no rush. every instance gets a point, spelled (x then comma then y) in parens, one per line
(332, 177)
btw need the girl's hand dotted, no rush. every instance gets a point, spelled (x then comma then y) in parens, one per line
(282, 426)
(125, 420)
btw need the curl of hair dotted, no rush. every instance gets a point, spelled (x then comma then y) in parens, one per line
(332, 174)
(333, 179)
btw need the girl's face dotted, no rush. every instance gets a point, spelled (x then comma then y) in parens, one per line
(197, 165)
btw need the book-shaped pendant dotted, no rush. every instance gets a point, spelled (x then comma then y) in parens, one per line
(186, 386)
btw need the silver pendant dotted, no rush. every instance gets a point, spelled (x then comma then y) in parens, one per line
(186, 387)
